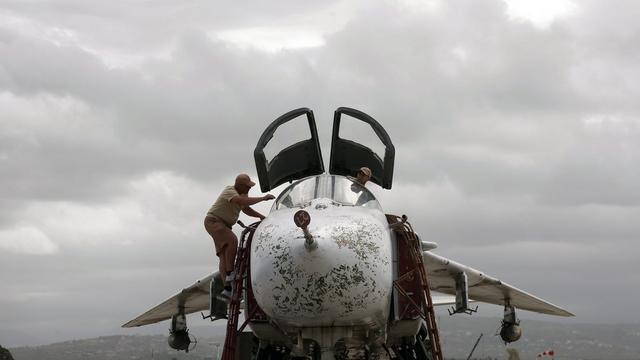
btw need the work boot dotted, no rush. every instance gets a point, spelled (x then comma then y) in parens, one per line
(230, 277)
(225, 295)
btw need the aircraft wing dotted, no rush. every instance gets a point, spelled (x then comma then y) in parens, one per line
(484, 288)
(194, 298)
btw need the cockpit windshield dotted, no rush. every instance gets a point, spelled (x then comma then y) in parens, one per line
(342, 191)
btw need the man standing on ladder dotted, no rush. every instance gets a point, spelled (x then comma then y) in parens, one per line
(222, 215)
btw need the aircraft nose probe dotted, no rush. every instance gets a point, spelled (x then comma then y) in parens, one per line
(302, 219)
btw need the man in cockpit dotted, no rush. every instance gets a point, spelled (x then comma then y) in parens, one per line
(222, 215)
(362, 177)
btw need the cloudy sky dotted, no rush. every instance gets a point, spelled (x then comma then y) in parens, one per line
(515, 122)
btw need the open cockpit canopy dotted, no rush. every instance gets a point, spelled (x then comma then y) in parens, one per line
(347, 155)
(294, 162)
(324, 190)
(304, 158)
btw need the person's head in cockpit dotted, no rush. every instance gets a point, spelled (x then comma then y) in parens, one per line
(363, 175)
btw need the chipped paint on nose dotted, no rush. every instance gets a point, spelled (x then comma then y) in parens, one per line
(347, 279)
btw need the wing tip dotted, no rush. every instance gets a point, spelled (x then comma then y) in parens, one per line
(566, 313)
(129, 324)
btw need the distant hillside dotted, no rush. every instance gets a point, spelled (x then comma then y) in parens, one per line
(569, 341)
(459, 333)
(115, 347)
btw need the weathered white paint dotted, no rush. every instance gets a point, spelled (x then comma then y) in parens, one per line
(345, 281)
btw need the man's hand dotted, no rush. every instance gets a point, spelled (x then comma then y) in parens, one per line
(268, 197)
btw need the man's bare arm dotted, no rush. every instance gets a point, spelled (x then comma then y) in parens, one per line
(248, 201)
(250, 212)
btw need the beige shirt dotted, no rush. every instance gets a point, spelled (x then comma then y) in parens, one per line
(224, 208)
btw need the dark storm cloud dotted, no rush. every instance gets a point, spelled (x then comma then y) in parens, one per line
(510, 139)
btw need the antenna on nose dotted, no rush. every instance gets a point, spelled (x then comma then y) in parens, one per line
(302, 219)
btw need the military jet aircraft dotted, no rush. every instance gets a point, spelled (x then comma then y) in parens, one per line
(328, 274)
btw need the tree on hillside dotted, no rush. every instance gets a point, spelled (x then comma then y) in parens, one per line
(5, 354)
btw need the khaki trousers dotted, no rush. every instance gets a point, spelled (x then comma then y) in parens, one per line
(225, 242)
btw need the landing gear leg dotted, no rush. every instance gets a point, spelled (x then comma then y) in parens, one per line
(423, 345)
(263, 351)
(327, 355)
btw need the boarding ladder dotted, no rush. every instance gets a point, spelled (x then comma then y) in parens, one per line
(405, 231)
(240, 269)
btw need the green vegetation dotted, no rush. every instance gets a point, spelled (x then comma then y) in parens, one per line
(5, 354)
